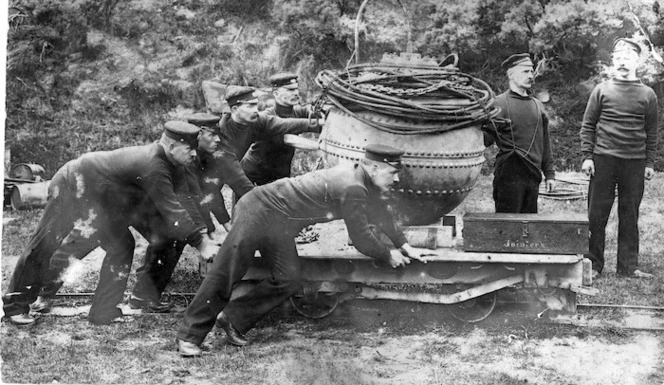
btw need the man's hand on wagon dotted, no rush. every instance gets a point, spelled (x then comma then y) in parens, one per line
(415, 252)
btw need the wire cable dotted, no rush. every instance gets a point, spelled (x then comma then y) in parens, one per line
(434, 99)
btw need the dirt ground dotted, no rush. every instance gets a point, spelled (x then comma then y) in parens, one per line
(361, 344)
(376, 342)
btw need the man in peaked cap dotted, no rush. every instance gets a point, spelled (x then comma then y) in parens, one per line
(93, 200)
(269, 160)
(619, 146)
(269, 217)
(624, 43)
(287, 80)
(524, 146)
(243, 127)
(161, 258)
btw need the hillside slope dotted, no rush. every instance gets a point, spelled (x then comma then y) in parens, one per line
(87, 75)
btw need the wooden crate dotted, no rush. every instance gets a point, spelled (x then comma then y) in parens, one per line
(526, 233)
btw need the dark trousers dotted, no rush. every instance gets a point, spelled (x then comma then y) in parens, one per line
(32, 267)
(154, 275)
(71, 227)
(261, 175)
(255, 227)
(515, 187)
(628, 176)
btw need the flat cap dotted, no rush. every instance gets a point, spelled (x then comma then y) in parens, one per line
(285, 79)
(205, 121)
(626, 43)
(517, 59)
(240, 94)
(384, 153)
(182, 132)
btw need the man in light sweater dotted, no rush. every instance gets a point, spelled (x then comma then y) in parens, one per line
(524, 147)
(619, 142)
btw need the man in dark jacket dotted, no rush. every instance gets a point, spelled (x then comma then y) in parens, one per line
(524, 147)
(220, 147)
(92, 202)
(270, 159)
(619, 145)
(162, 257)
(269, 217)
(245, 126)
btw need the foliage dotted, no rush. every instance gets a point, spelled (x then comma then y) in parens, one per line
(135, 63)
(99, 12)
(573, 34)
(43, 36)
(318, 28)
(572, 39)
(254, 9)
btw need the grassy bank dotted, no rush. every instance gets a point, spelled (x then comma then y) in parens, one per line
(371, 342)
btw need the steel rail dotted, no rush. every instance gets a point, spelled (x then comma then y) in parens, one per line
(579, 305)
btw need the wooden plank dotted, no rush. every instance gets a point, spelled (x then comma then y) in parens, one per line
(446, 299)
(454, 255)
(430, 237)
(532, 218)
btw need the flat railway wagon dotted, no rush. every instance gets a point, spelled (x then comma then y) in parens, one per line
(540, 254)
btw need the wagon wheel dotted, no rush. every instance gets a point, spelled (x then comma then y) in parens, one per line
(315, 305)
(474, 310)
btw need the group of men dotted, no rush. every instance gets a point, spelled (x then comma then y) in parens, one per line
(618, 142)
(169, 191)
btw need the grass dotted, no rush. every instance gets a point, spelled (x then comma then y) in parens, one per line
(285, 350)
(355, 346)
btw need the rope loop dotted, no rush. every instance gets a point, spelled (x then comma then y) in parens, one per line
(434, 99)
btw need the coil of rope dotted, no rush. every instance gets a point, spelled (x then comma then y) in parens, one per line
(578, 190)
(435, 99)
(563, 194)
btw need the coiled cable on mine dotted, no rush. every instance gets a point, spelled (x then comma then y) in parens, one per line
(427, 96)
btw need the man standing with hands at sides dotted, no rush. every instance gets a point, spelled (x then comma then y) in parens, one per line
(524, 146)
(269, 217)
(270, 159)
(619, 143)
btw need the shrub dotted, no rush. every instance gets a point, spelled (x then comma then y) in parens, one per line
(100, 74)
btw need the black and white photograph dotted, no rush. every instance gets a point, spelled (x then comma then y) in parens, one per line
(323, 192)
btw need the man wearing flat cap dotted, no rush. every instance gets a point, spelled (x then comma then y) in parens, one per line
(245, 126)
(619, 146)
(269, 160)
(269, 217)
(93, 200)
(524, 146)
(205, 184)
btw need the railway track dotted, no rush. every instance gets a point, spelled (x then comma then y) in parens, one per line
(631, 317)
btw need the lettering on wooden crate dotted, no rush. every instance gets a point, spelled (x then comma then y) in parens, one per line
(523, 244)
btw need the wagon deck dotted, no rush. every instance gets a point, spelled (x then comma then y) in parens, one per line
(334, 271)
